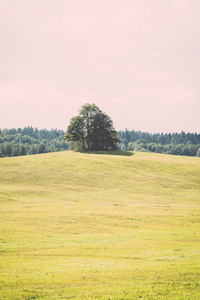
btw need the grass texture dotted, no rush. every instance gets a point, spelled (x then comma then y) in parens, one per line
(91, 226)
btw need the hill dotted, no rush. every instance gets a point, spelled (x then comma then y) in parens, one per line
(91, 226)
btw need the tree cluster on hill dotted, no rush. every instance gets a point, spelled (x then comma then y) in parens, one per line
(29, 140)
(187, 144)
(92, 130)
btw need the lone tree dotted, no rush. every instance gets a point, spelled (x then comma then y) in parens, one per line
(92, 129)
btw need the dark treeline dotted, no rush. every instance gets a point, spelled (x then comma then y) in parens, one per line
(26, 141)
(29, 140)
(187, 144)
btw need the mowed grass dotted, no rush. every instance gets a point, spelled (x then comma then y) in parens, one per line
(91, 226)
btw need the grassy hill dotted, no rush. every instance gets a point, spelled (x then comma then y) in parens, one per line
(90, 226)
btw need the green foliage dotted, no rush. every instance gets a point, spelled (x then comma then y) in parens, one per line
(186, 144)
(92, 129)
(27, 141)
(76, 132)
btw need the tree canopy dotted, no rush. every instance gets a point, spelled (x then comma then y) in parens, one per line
(92, 129)
(29, 140)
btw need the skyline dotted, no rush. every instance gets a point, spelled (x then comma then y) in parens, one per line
(137, 60)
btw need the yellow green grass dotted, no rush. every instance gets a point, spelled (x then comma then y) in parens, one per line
(90, 226)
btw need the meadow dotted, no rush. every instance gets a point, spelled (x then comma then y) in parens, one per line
(96, 226)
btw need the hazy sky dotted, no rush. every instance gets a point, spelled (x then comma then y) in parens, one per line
(138, 60)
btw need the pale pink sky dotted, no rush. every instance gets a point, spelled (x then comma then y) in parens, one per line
(138, 60)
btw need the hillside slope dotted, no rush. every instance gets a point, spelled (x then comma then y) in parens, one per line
(91, 226)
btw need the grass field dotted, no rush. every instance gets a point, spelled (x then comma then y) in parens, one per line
(93, 226)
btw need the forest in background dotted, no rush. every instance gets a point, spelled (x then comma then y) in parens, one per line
(187, 144)
(29, 140)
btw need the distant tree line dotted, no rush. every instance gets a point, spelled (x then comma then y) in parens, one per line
(187, 144)
(29, 140)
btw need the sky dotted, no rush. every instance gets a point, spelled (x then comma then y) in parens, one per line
(138, 60)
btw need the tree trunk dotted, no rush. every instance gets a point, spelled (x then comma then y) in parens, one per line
(83, 144)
